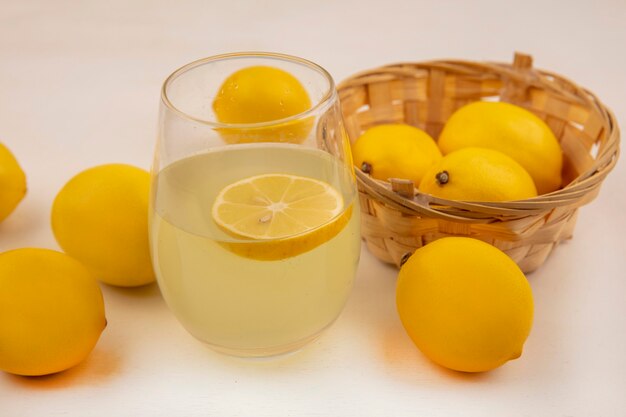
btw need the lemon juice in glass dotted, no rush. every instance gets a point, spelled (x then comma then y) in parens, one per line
(254, 224)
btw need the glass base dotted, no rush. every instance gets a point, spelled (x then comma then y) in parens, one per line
(265, 352)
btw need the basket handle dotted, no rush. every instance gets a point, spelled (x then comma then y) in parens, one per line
(516, 88)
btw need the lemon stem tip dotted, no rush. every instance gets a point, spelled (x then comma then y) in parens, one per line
(442, 178)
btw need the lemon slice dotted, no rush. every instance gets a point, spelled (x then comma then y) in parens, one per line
(283, 215)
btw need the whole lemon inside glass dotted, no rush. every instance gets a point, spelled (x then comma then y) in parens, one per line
(100, 217)
(512, 130)
(395, 151)
(465, 304)
(478, 174)
(51, 312)
(262, 94)
(12, 182)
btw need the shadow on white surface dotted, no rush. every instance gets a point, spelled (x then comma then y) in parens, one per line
(144, 291)
(406, 362)
(98, 368)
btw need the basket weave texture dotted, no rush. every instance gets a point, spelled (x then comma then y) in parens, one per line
(397, 219)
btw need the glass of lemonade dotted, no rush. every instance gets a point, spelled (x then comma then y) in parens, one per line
(254, 217)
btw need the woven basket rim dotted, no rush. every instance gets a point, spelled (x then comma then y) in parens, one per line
(576, 193)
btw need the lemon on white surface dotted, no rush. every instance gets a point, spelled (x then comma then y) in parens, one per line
(12, 182)
(51, 312)
(100, 217)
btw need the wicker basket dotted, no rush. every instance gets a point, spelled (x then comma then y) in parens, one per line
(397, 219)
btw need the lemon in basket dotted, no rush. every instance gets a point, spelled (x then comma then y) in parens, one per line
(51, 312)
(12, 182)
(465, 304)
(512, 130)
(261, 94)
(279, 215)
(478, 174)
(395, 151)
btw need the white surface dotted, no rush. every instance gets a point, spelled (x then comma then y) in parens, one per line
(79, 86)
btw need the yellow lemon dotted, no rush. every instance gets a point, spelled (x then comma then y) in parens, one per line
(395, 151)
(100, 217)
(281, 215)
(478, 174)
(12, 182)
(509, 129)
(465, 304)
(262, 94)
(51, 312)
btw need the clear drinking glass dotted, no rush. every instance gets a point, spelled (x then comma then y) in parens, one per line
(254, 227)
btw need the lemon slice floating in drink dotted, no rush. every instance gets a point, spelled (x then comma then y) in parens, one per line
(279, 215)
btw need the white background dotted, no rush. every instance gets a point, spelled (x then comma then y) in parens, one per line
(79, 86)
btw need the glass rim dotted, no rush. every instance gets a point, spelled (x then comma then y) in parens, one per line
(327, 98)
